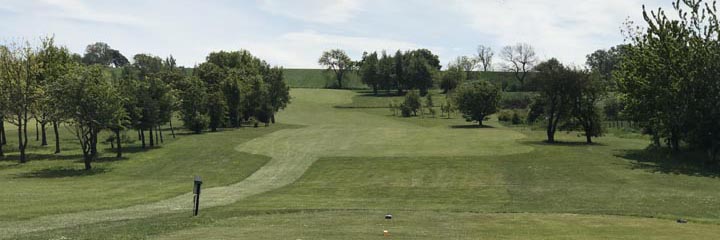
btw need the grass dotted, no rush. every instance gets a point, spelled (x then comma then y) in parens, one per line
(332, 173)
(50, 184)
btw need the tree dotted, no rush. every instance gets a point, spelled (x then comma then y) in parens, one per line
(451, 78)
(484, 57)
(193, 106)
(278, 91)
(369, 71)
(102, 54)
(586, 112)
(91, 104)
(19, 68)
(558, 86)
(399, 78)
(669, 76)
(419, 74)
(477, 100)
(55, 63)
(521, 59)
(467, 64)
(386, 71)
(411, 105)
(605, 62)
(336, 60)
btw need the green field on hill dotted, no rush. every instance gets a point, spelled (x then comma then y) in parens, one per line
(329, 172)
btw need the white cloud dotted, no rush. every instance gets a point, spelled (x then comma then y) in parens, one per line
(315, 11)
(69, 9)
(565, 29)
(302, 49)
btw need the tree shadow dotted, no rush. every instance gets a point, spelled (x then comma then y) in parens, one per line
(40, 157)
(470, 126)
(563, 143)
(663, 161)
(61, 172)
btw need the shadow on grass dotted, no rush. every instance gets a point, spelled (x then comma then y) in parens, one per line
(562, 143)
(15, 156)
(61, 172)
(470, 126)
(664, 161)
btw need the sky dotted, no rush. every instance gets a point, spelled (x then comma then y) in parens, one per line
(293, 34)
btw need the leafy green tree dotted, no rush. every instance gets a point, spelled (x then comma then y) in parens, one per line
(419, 74)
(411, 105)
(398, 75)
(339, 62)
(193, 108)
(278, 91)
(19, 68)
(369, 71)
(386, 72)
(102, 54)
(586, 111)
(477, 100)
(55, 63)
(605, 62)
(452, 78)
(91, 104)
(669, 76)
(217, 110)
(558, 88)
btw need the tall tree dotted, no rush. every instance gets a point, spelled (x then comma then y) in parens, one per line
(19, 68)
(477, 100)
(453, 77)
(278, 91)
(339, 62)
(91, 104)
(606, 62)
(193, 107)
(102, 54)
(590, 91)
(558, 86)
(669, 76)
(55, 62)
(369, 71)
(521, 59)
(484, 57)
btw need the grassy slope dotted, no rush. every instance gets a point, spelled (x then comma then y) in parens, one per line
(50, 184)
(460, 183)
(319, 78)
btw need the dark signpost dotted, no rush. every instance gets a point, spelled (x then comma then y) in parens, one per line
(196, 193)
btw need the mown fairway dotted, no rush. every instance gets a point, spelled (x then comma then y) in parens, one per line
(329, 172)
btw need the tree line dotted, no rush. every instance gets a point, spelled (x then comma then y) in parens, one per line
(51, 85)
(403, 71)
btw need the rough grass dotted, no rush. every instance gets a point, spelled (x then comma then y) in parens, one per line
(338, 174)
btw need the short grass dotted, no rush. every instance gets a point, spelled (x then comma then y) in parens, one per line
(342, 169)
(54, 184)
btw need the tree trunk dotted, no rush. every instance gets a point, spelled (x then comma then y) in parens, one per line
(37, 131)
(142, 137)
(57, 137)
(480, 123)
(3, 138)
(675, 142)
(272, 118)
(22, 131)
(162, 138)
(172, 130)
(43, 134)
(152, 139)
(119, 143)
(550, 130)
(588, 139)
(139, 134)
(86, 160)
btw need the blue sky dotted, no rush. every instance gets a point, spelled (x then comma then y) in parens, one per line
(294, 33)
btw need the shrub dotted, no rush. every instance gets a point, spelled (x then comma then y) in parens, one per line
(505, 115)
(411, 105)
